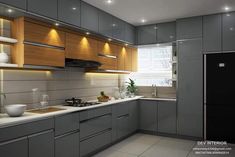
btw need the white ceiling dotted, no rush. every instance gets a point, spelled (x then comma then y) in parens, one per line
(155, 11)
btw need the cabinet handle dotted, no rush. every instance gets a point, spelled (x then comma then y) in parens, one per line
(94, 118)
(12, 141)
(97, 134)
(126, 115)
(43, 45)
(41, 133)
(107, 56)
(67, 134)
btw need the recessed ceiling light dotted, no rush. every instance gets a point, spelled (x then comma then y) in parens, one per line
(126, 44)
(226, 8)
(114, 25)
(9, 10)
(74, 8)
(57, 24)
(109, 1)
(143, 20)
(88, 33)
(109, 39)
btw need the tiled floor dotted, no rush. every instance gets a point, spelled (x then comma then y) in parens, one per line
(142, 145)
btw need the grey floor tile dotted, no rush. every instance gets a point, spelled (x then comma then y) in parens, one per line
(113, 153)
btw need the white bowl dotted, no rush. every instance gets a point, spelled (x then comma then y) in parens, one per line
(15, 110)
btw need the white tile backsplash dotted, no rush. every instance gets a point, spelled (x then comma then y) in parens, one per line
(59, 85)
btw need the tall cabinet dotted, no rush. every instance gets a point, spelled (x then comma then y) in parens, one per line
(190, 78)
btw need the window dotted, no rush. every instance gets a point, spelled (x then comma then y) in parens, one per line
(154, 66)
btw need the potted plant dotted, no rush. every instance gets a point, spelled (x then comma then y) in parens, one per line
(131, 87)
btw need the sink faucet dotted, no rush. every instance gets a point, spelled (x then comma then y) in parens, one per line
(154, 93)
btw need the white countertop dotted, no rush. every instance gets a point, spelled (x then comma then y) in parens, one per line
(5, 120)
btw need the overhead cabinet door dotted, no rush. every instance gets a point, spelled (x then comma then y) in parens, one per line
(105, 23)
(89, 17)
(212, 33)
(189, 28)
(229, 31)
(129, 33)
(190, 88)
(15, 3)
(118, 29)
(47, 8)
(147, 34)
(166, 32)
(69, 11)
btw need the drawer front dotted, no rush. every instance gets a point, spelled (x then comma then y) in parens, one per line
(67, 146)
(66, 123)
(121, 109)
(85, 115)
(44, 56)
(94, 126)
(21, 130)
(122, 126)
(92, 144)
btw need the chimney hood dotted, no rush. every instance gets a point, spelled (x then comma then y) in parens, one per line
(81, 63)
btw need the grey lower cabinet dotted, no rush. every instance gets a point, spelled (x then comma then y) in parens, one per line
(166, 32)
(122, 126)
(212, 33)
(147, 34)
(13, 148)
(190, 88)
(105, 24)
(133, 116)
(15, 3)
(41, 144)
(118, 29)
(69, 11)
(148, 115)
(167, 117)
(67, 145)
(89, 17)
(189, 28)
(43, 7)
(228, 31)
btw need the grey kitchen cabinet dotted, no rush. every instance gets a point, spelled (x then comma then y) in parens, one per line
(189, 28)
(228, 31)
(94, 143)
(43, 7)
(67, 145)
(166, 32)
(129, 33)
(66, 123)
(147, 34)
(69, 11)
(190, 88)
(122, 126)
(118, 29)
(15, 3)
(167, 117)
(212, 33)
(133, 116)
(13, 148)
(105, 23)
(89, 17)
(148, 115)
(93, 113)
(94, 126)
(41, 144)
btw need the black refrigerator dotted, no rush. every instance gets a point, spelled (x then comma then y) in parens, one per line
(220, 97)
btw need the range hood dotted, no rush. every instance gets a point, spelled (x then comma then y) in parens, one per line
(81, 63)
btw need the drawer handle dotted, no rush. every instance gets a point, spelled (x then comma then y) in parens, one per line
(43, 45)
(126, 115)
(67, 134)
(105, 115)
(97, 134)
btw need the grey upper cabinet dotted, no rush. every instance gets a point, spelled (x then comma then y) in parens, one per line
(148, 115)
(105, 23)
(89, 17)
(212, 33)
(69, 11)
(189, 28)
(130, 33)
(190, 88)
(228, 31)
(166, 32)
(167, 117)
(41, 144)
(147, 34)
(17, 147)
(15, 3)
(67, 145)
(43, 7)
(118, 29)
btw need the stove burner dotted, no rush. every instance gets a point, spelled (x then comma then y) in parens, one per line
(78, 103)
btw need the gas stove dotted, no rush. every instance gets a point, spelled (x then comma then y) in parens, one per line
(75, 102)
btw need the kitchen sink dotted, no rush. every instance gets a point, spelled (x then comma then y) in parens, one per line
(46, 110)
